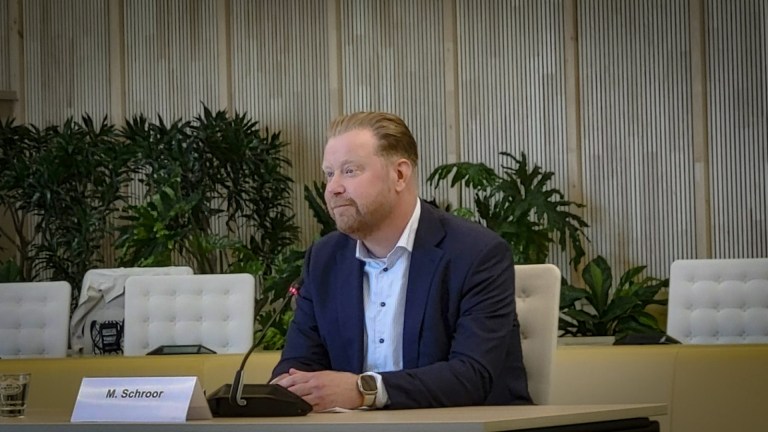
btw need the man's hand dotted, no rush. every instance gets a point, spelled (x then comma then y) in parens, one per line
(278, 379)
(325, 389)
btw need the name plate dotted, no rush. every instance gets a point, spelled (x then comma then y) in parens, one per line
(146, 399)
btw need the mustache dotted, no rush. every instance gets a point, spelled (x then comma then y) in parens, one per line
(340, 202)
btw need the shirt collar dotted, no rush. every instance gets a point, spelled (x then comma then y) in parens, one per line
(407, 239)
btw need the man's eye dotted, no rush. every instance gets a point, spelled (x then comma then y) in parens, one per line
(328, 174)
(349, 171)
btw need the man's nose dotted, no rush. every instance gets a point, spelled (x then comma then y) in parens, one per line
(335, 186)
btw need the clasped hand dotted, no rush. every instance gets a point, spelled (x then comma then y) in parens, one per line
(323, 390)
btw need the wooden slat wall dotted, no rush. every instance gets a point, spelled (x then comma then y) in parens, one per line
(393, 60)
(738, 120)
(66, 60)
(636, 131)
(289, 61)
(170, 63)
(5, 67)
(170, 52)
(512, 87)
(280, 78)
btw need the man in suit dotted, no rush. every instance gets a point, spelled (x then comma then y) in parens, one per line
(405, 306)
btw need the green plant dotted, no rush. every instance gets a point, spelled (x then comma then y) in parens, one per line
(66, 181)
(459, 211)
(19, 147)
(245, 261)
(520, 206)
(286, 269)
(78, 181)
(10, 272)
(212, 170)
(155, 229)
(601, 310)
(315, 198)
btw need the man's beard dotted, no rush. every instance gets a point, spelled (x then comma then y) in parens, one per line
(358, 221)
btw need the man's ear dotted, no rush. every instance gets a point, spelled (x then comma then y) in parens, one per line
(404, 173)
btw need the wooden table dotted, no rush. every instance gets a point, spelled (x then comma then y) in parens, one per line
(464, 419)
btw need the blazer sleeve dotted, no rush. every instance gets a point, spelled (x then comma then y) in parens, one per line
(304, 348)
(485, 331)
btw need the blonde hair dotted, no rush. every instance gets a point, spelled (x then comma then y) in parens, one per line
(394, 137)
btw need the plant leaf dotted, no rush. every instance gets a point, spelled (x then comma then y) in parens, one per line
(618, 307)
(580, 315)
(569, 295)
(627, 278)
(597, 276)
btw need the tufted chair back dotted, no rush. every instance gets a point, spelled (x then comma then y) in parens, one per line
(537, 294)
(34, 318)
(102, 302)
(212, 310)
(719, 301)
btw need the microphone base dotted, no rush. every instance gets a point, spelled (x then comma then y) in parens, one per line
(262, 400)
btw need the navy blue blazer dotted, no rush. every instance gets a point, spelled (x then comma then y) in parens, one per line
(461, 338)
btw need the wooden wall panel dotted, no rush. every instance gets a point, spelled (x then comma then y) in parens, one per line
(738, 127)
(280, 77)
(512, 87)
(66, 60)
(171, 64)
(471, 78)
(171, 67)
(66, 63)
(636, 131)
(5, 67)
(393, 61)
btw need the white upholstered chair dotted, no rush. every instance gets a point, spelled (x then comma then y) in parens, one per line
(719, 301)
(537, 291)
(102, 303)
(34, 318)
(212, 310)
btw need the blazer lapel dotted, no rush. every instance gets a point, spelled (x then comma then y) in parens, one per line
(349, 301)
(424, 262)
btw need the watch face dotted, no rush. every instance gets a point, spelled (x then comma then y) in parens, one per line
(368, 383)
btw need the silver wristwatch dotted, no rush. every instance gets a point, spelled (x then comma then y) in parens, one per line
(366, 383)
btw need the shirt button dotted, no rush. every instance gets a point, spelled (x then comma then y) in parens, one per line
(381, 340)
(382, 304)
(386, 269)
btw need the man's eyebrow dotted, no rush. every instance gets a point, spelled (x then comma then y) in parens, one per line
(343, 162)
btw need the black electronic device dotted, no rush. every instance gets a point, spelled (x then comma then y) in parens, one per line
(647, 339)
(107, 337)
(258, 400)
(181, 349)
(262, 400)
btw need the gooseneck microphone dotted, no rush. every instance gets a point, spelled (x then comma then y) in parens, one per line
(259, 400)
(235, 396)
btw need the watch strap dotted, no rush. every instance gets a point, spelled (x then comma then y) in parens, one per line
(369, 400)
(369, 397)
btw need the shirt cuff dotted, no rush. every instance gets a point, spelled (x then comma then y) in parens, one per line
(382, 398)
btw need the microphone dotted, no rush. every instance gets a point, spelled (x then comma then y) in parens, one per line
(235, 396)
(259, 400)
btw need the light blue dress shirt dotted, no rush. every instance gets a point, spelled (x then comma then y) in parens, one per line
(385, 281)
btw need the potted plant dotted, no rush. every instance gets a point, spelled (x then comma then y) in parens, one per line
(19, 147)
(520, 205)
(215, 169)
(602, 310)
(64, 182)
